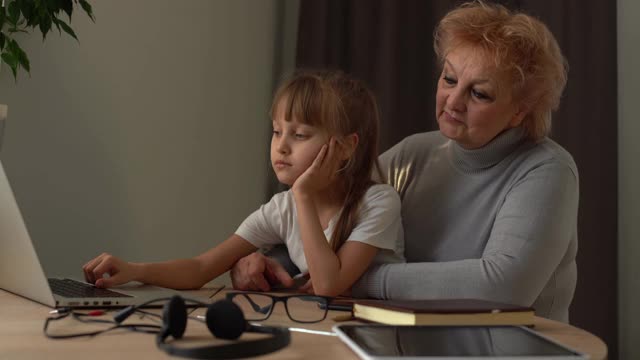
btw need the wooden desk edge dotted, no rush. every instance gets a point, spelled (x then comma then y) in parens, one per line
(574, 337)
(571, 336)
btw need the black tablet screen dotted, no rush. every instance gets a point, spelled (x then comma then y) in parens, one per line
(451, 341)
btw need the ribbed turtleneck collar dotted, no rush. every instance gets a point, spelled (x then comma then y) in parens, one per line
(475, 160)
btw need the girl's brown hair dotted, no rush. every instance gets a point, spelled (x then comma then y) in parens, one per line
(519, 46)
(342, 105)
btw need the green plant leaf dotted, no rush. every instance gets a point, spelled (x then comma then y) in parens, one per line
(20, 16)
(10, 60)
(27, 8)
(20, 55)
(55, 22)
(14, 12)
(33, 16)
(11, 46)
(65, 27)
(67, 6)
(45, 25)
(87, 9)
(3, 15)
(17, 56)
(52, 6)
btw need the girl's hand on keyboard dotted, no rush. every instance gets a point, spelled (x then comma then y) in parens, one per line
(118, 271)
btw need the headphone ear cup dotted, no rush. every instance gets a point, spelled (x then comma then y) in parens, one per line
(174, 317)
(225, 320)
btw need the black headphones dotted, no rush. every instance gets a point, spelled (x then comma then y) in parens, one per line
(225, 320)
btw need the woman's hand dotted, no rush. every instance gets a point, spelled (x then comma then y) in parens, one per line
(119, 271)
(307, 288)
(321, 173)
(258, 272)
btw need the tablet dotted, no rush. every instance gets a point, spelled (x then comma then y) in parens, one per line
(372, 342)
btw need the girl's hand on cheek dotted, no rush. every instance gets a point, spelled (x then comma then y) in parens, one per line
(321, 173)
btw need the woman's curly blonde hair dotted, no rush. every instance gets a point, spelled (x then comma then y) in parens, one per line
(520, 46)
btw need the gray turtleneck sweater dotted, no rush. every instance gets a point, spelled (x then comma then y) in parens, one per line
(495, 223)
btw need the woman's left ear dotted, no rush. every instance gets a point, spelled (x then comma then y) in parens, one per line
(519, 116)
(349, 145)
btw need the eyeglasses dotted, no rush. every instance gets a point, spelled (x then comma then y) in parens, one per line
(300, 308)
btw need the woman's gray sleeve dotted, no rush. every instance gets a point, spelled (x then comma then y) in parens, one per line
(531, 234)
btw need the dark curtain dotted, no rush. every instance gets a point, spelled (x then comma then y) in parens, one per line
(388, 44)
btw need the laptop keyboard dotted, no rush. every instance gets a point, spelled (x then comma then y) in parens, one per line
(76, 289)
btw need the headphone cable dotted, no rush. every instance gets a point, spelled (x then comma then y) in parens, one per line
(118, 319)
(143, 328)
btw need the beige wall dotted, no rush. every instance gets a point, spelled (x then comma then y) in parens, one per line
(629, 177)
(149, 139)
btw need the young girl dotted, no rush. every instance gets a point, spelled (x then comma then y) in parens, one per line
(335, 221)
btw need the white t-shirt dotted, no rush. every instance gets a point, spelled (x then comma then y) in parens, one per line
(379, 224)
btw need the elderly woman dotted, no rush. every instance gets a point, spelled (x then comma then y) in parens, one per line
(489, 203)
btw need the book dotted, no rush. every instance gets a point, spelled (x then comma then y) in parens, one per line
(442, 312)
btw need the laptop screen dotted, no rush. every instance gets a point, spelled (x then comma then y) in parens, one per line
(20, 269)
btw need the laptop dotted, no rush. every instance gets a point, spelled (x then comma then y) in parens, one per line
(21, 272)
